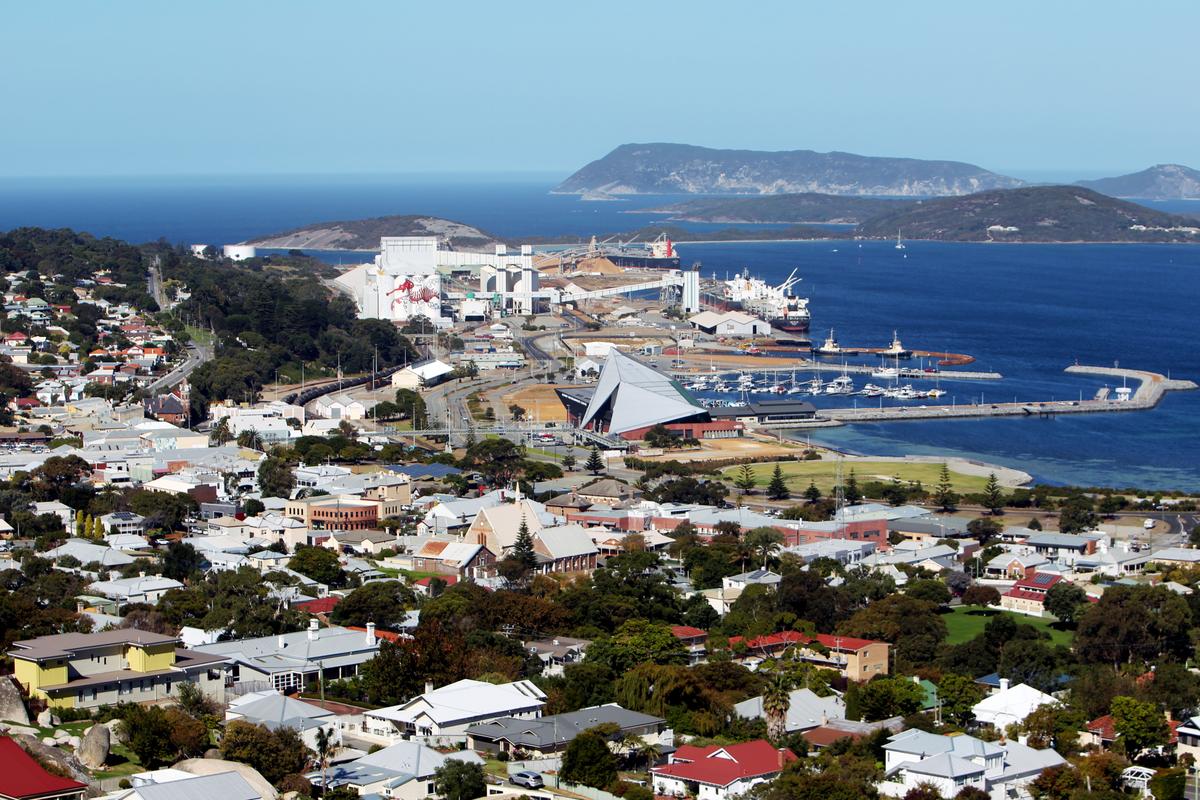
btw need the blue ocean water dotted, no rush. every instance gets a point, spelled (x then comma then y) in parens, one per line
(1026, 311)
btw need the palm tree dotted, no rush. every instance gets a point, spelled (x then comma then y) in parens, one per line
(324, 751)
(764, 542)
(648, 751)
(220, 432)
(776, 702)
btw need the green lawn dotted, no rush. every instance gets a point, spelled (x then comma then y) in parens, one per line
(964, 623)
(824, 472)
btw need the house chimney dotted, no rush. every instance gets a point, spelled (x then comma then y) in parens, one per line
(279, 642)
(428, 687)
(370, 633)
(1004, 684)
(779, 752)
(313, 625)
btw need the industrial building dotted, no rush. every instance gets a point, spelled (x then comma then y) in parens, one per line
(729, 323)
(767, 411)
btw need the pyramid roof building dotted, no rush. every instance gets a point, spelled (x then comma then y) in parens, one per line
(632, 395)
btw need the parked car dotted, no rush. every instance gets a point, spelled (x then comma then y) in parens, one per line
(527, 778)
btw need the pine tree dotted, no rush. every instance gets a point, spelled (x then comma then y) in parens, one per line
(98, 528)
(568, 462)
(78, 523)
(812, 493)
(523, 546)
(745, 479)
(993, 498)
(777, 488)
(852, 493)
(944, 496)
(595, 464)
(86, 531)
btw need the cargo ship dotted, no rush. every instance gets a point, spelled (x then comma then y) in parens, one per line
(778, 305)
(658, 254)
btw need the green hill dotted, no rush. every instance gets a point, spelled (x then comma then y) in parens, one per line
(791, 208)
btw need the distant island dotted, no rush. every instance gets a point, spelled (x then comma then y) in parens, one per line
(1032, 214)
(364, 234)
(1160, 182)
(688, 169)
(807, 207)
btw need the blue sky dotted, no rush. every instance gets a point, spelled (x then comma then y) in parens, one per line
(167, 88)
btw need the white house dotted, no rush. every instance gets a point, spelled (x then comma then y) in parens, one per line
(340, 406)
(1010, 704)
(445, 714)
(952, 763)
(805, 710)
(402, 771)
(419, 376)
(142, 589)
(275, 710)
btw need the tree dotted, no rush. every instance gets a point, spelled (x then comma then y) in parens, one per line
(149, 733)
(594, 464)
(993, 498)
(911, 625)
(851, 492)
(325, 748)
(273, 753)
(930, 590)
(635, 642)
(1139, 725)
(318, 563)
(1030, 661)
(97, 529)
(958, 695)
(221, 433)
(1066, 601)
(568, 461)
(382, 602)
(498, 460)
(522, 550)
(189, 736)
(944, 494)
(181, 561)
(812, 494)
(1134, 622)
(588, 761)
(777, 489)
(763, 542)
(776, 700)
(745, 481)
(890, 697)
(275, 478)
(979, 595)
(459, 780)
(923, 791)
(1077, 515)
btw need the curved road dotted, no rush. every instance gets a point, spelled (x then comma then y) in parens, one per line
(196, 354)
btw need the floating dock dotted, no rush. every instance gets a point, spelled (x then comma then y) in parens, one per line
(1151, 388)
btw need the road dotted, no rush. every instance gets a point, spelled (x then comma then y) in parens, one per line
(197, 354)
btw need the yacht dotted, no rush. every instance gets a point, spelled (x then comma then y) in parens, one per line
(814, 386)
(896, 349)
(886, 373)
(840, 385)
(871, 390)
(935, 393)
(899, 241)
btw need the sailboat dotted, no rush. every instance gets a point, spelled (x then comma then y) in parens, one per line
(899, 241)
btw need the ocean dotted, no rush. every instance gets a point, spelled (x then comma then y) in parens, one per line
(1026, 311)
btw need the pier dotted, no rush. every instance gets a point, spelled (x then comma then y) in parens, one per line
(1151, 388)
(697, 363)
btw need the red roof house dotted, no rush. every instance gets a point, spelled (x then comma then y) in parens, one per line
(321, 605)
(23, 778)
(724, 771)
(1028, 595)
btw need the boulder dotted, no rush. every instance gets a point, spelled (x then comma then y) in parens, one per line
(12, 708)
(48, 741)
(47, 720)
(116, 731)
(207, 766)
(93, 749)
(66, 762)
(74, 742)
(24, 730)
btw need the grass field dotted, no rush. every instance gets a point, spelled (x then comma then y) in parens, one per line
(965, 623)
(824, 473)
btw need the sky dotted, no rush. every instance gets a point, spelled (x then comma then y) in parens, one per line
(264, 87)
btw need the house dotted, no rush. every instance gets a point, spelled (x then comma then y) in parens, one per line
(732, 586)
(1176, 557)
(557, 653)
(338, 406)
(952, 763)
(90, 553)
(541, 737)
(176, 784)
(694, 640)
(445, 714)
(401, 771)
(856, 659)
(452, 557)
(1028, 595)
(1102, 732)
(124, 522)
(564, 548)
(334, 512)
(23, 778)
(291, 660)
(496, 527)
(719, 773)
(1010, 704)
(1188, 734)
(1065, 548)
(1014, 566)
(806, 710)
(139, 589)
(125, 665)
(274, 710)
(606, 491)
(361, 541)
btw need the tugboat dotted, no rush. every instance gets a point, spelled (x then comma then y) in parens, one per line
(830, 347)
(896, 349)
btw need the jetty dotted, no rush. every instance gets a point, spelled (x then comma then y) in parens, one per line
(1151, 388)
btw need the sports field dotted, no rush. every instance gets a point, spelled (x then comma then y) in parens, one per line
(824, 473)
(966, 622)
